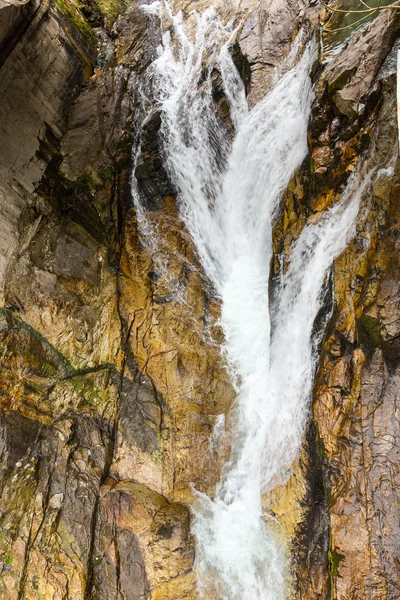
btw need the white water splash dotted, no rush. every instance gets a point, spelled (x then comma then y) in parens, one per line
(228, 194)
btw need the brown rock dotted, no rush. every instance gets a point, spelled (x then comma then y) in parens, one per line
(351, 75)
(111, 376)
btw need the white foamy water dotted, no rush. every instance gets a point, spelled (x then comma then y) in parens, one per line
(228, 195)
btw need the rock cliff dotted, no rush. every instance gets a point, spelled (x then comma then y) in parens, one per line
(112, 378)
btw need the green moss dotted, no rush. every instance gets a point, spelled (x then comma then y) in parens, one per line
(79, 384)
(341, 80)
(372, 329)
(370, 333)
(7, 557)
(90, 179)
(110, 8)
(334, 560)
(74, 198)
(107, 174)
(72, 11)
(86, 389)
(102, 13)
(93, 396)
(41, 356)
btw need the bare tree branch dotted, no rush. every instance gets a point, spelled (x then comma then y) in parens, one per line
(365, 10)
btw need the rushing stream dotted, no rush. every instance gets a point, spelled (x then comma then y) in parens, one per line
(228, 195)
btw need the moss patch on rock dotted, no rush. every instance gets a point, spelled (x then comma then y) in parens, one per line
(74, 198)
(72, 11)
(334, 560)
(370, 330)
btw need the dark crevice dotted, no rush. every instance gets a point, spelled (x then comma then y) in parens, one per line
(88, 592)
(33, 537)
(95, 513)
(24, 16)
(73, 199)
(311, 542)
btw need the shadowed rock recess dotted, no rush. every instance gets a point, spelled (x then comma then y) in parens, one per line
(111, 370)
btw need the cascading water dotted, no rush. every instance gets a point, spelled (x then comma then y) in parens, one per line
(228, 194)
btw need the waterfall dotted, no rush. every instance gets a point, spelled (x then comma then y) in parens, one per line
(228, 195)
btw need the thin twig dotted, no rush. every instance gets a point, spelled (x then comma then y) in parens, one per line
(369, 10)
(365, 4)
(325, 27)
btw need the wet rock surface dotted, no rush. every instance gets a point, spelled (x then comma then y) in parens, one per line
(111, 376)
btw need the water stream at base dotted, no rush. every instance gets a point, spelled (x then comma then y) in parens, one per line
(228, 196)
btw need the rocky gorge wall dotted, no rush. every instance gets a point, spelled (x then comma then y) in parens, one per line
(111, 376)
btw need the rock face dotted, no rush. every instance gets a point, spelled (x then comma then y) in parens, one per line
(356, 396)
(109, 387)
